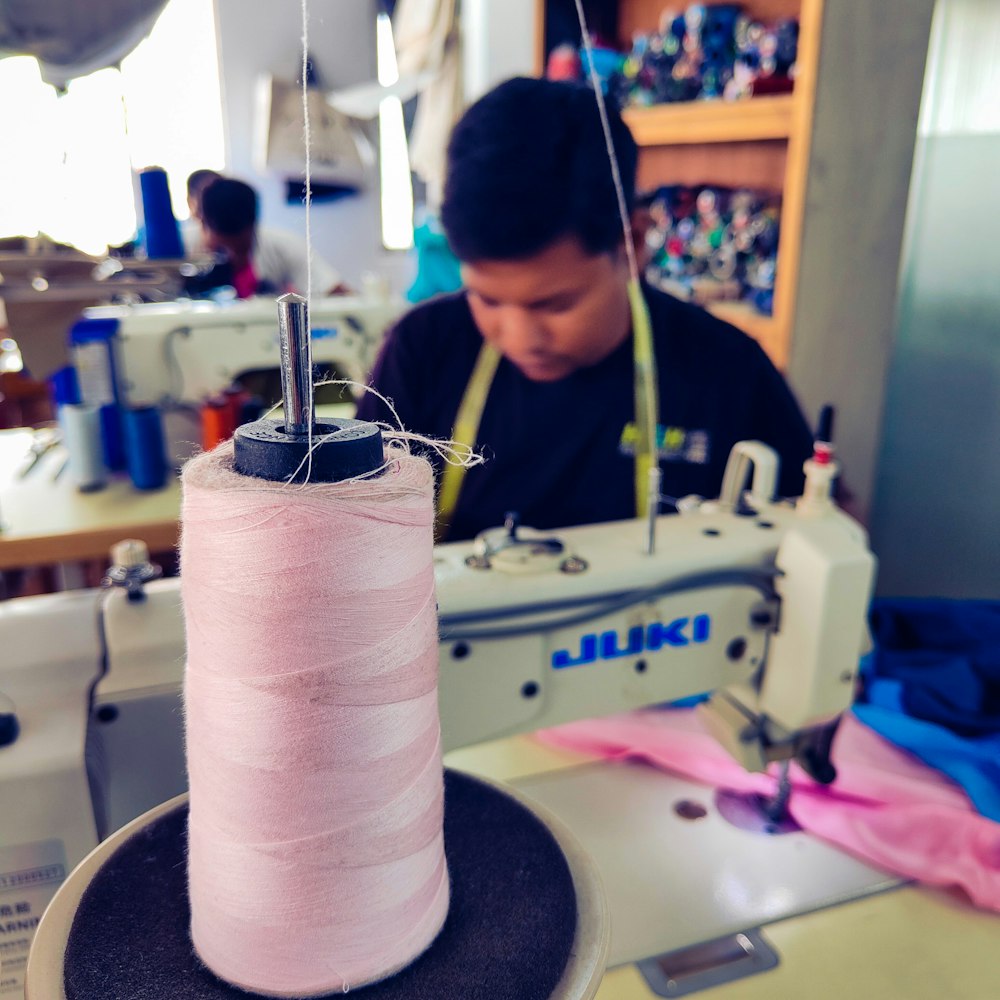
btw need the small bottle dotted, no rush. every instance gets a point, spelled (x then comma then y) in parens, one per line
(821, 470)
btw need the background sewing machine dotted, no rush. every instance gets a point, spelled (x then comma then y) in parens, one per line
(175, 355)
(762, 603)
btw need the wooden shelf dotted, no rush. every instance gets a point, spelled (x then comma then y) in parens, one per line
(761, 143)
(712, 121)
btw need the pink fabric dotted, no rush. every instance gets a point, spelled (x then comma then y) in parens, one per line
(245, 281)
(885, 806)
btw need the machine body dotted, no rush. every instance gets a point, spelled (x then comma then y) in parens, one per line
(765, 609)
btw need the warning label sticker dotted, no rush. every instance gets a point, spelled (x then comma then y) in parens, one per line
(30, 874)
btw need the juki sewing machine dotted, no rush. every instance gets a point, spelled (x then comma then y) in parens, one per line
(762, 603)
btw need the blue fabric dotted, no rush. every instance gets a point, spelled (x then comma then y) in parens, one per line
(946, 655)
(972, 763)
(437, 267)
(932, 687)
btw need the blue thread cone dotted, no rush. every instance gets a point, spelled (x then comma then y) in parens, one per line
(161, 234)
(145, 448)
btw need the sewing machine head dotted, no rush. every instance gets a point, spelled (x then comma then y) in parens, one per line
(760, 604)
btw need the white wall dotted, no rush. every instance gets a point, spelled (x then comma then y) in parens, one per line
(498, 42)
(936, 524)
(266, 36)
(871, 67)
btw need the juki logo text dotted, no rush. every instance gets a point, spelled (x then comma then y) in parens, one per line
(612, 645)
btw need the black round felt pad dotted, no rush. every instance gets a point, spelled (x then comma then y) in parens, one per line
(508, 934)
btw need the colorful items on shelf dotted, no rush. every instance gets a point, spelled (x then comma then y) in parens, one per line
(765, 58)
(711, 244)
(690, 56)
(567, 62)
(707, 52)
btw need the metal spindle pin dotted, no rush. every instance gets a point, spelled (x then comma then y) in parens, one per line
(296, 363)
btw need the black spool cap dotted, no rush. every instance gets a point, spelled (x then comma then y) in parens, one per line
(341, 449)
(301, 448)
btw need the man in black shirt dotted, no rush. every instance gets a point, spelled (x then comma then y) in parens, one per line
(531, 212)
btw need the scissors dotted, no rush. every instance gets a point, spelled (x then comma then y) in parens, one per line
(43, 442)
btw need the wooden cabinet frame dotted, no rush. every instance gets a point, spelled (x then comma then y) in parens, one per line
(762, 143)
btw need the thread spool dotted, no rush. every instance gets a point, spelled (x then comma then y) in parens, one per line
(161, 234)
(92, 345)
(112, 437)
(81, 429)
(316, 857)
(145, 447)
(217, 424)
(309, 706)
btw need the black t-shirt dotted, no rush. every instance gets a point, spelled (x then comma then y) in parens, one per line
(560, 453)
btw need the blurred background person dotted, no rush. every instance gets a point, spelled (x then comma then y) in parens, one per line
(254, 259)
(191, 232)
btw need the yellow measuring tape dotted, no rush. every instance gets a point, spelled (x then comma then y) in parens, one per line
(470, 412)
(647, 408)
(647, 398)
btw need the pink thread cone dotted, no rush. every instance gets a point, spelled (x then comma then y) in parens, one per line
(316, 857)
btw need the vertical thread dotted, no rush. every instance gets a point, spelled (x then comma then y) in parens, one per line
(307, 142)
(633, 265)
(647, 403)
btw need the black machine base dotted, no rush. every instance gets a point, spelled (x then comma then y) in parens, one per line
(508, 936)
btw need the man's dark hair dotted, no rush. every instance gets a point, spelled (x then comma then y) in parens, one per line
(228, 207)
(528, 165)
(199, 179)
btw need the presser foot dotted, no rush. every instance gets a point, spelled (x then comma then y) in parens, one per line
(759, 813)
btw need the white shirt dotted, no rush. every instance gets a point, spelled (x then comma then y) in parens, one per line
(192, 238)
(279, 259)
